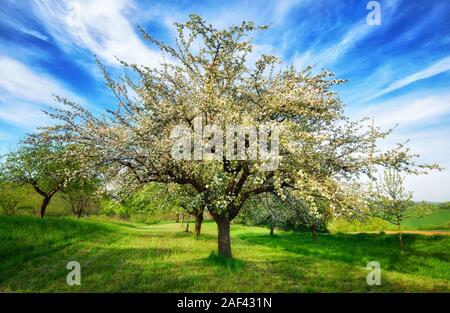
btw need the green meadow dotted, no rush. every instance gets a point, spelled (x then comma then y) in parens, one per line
(124, 256)
(438, 219)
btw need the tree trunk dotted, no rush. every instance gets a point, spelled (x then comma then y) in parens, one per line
(187, 224)
(400, 238)
(79, 213)
(224, 243)
(272, 229)
(178, 218)
(198, 223)
(314, 232)
(44, 205)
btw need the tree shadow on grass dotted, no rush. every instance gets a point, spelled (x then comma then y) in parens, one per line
(161, 269)
(170, 270)
(152, 269)
(26, 238)
(359, 249)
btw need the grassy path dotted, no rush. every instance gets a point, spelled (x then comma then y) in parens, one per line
(132, 257)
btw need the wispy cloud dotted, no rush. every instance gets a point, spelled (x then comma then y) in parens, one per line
(100, 26)
(436, 68)
(18, 80)
(416, 118)
(411, 110)
(283, 8)
(34, 33)
(328, 56)
(326, 53)
(18, 23)
(25, 92)
(433, 146)
(25, 115)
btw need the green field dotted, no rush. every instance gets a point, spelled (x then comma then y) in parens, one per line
(438, 219)
(136, 257)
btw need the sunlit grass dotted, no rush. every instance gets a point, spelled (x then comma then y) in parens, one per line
(438, 219)
(135, 257)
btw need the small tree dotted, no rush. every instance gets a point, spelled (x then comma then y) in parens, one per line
(157, 198)
(390, 200)
(9, 199)
(311, 214)
(191, 202)
(150, 199)
(265, 210)
(314, 212)
(47, 167)
(15, 199)
(81, 195)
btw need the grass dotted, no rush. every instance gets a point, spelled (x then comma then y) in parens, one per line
(120, 256)
(439, 219)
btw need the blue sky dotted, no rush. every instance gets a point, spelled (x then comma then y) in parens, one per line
(398, 72)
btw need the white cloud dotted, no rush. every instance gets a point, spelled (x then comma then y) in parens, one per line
(107, 29)
(17, 21)
(23, 83)
(100, 26)
(407, 111)
(24, 93)
(432, 146)
(328, 56)
(282, 8)
(34, 33)
(417, 117)
(431, 187)
(30, 116)
(436, 68)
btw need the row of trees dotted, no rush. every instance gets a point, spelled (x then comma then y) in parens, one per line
(207, 73)
(386, 199)
(290, 213)
(156, 199)
(48, 168)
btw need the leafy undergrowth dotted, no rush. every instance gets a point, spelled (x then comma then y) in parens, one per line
(120, 256)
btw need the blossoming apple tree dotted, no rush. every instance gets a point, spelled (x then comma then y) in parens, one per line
(207, 74)
(48, 166)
